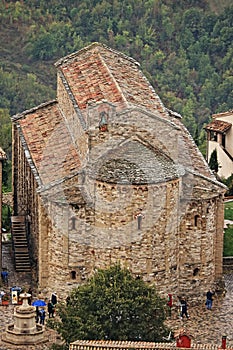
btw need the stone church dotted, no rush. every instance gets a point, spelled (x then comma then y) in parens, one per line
(105, 174)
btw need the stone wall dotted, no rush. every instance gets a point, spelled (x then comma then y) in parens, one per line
(92, 221)
(177, 254)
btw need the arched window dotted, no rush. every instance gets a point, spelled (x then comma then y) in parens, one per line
(196, 220)
(73, 275)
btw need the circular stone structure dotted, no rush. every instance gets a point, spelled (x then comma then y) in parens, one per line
(24, 330)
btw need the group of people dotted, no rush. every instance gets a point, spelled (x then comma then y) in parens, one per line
(182, 304)
(41, 313)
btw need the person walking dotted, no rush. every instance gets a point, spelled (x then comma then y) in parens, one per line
(51, 309)
(184, 308)
(37, 314)
(42, 316)
(209, 299)
(54, 298)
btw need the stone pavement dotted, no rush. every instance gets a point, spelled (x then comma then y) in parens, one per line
(22, 280)
(205, 326)
(208, 326)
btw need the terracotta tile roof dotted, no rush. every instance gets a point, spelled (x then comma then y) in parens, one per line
(48, 143)
(111, 344)
(218, 125)
(98, 72)
(2, 154)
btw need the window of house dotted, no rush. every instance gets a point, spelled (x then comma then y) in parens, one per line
(213, 136)
(223, 141)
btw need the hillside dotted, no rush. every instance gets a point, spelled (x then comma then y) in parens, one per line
(185, 50)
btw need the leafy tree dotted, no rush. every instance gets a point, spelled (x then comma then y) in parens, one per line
(213, 162)
(184, 47)
(112, 305)
(5, 144)
(229, 183)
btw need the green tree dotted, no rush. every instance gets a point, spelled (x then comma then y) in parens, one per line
(5, 144)
(112, 305)
(213, 162)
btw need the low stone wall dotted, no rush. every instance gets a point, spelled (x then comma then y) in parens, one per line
(227, 264)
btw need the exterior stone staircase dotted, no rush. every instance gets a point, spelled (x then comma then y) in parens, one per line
(20, 244)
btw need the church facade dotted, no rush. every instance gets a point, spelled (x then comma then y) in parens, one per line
(106, 174)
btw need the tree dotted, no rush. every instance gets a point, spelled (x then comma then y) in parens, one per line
(112, 305)
(5, 144)
(213, 162)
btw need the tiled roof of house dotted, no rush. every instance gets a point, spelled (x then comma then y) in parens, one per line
(219, 126)
(98, 72)
(48, 142)
(115, 345)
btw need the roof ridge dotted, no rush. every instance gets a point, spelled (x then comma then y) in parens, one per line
(33, 109)
(93, 45)
(113, 78)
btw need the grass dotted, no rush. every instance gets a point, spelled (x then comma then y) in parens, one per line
(228, 212)
(228, 235)
(228, 241)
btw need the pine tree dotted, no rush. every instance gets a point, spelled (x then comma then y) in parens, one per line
(213, 162)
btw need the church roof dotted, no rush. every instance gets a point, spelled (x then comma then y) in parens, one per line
(48, 143)
(134, 163)
(98, 73)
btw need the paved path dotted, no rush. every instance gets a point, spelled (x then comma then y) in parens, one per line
(206, 327)
(7, 312)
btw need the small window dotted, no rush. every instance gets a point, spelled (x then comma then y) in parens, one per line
(213, 136)
(73, 221)
(196, 220)
(73, 275)
(196, 271)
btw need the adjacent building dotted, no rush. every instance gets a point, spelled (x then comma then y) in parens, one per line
(220, 138)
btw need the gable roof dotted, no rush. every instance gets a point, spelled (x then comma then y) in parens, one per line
(97, 72)
(47, 142)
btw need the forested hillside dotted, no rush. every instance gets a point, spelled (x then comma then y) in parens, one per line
(184, 48)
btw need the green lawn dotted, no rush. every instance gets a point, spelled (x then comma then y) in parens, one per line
(228, 212)
(228, 235)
